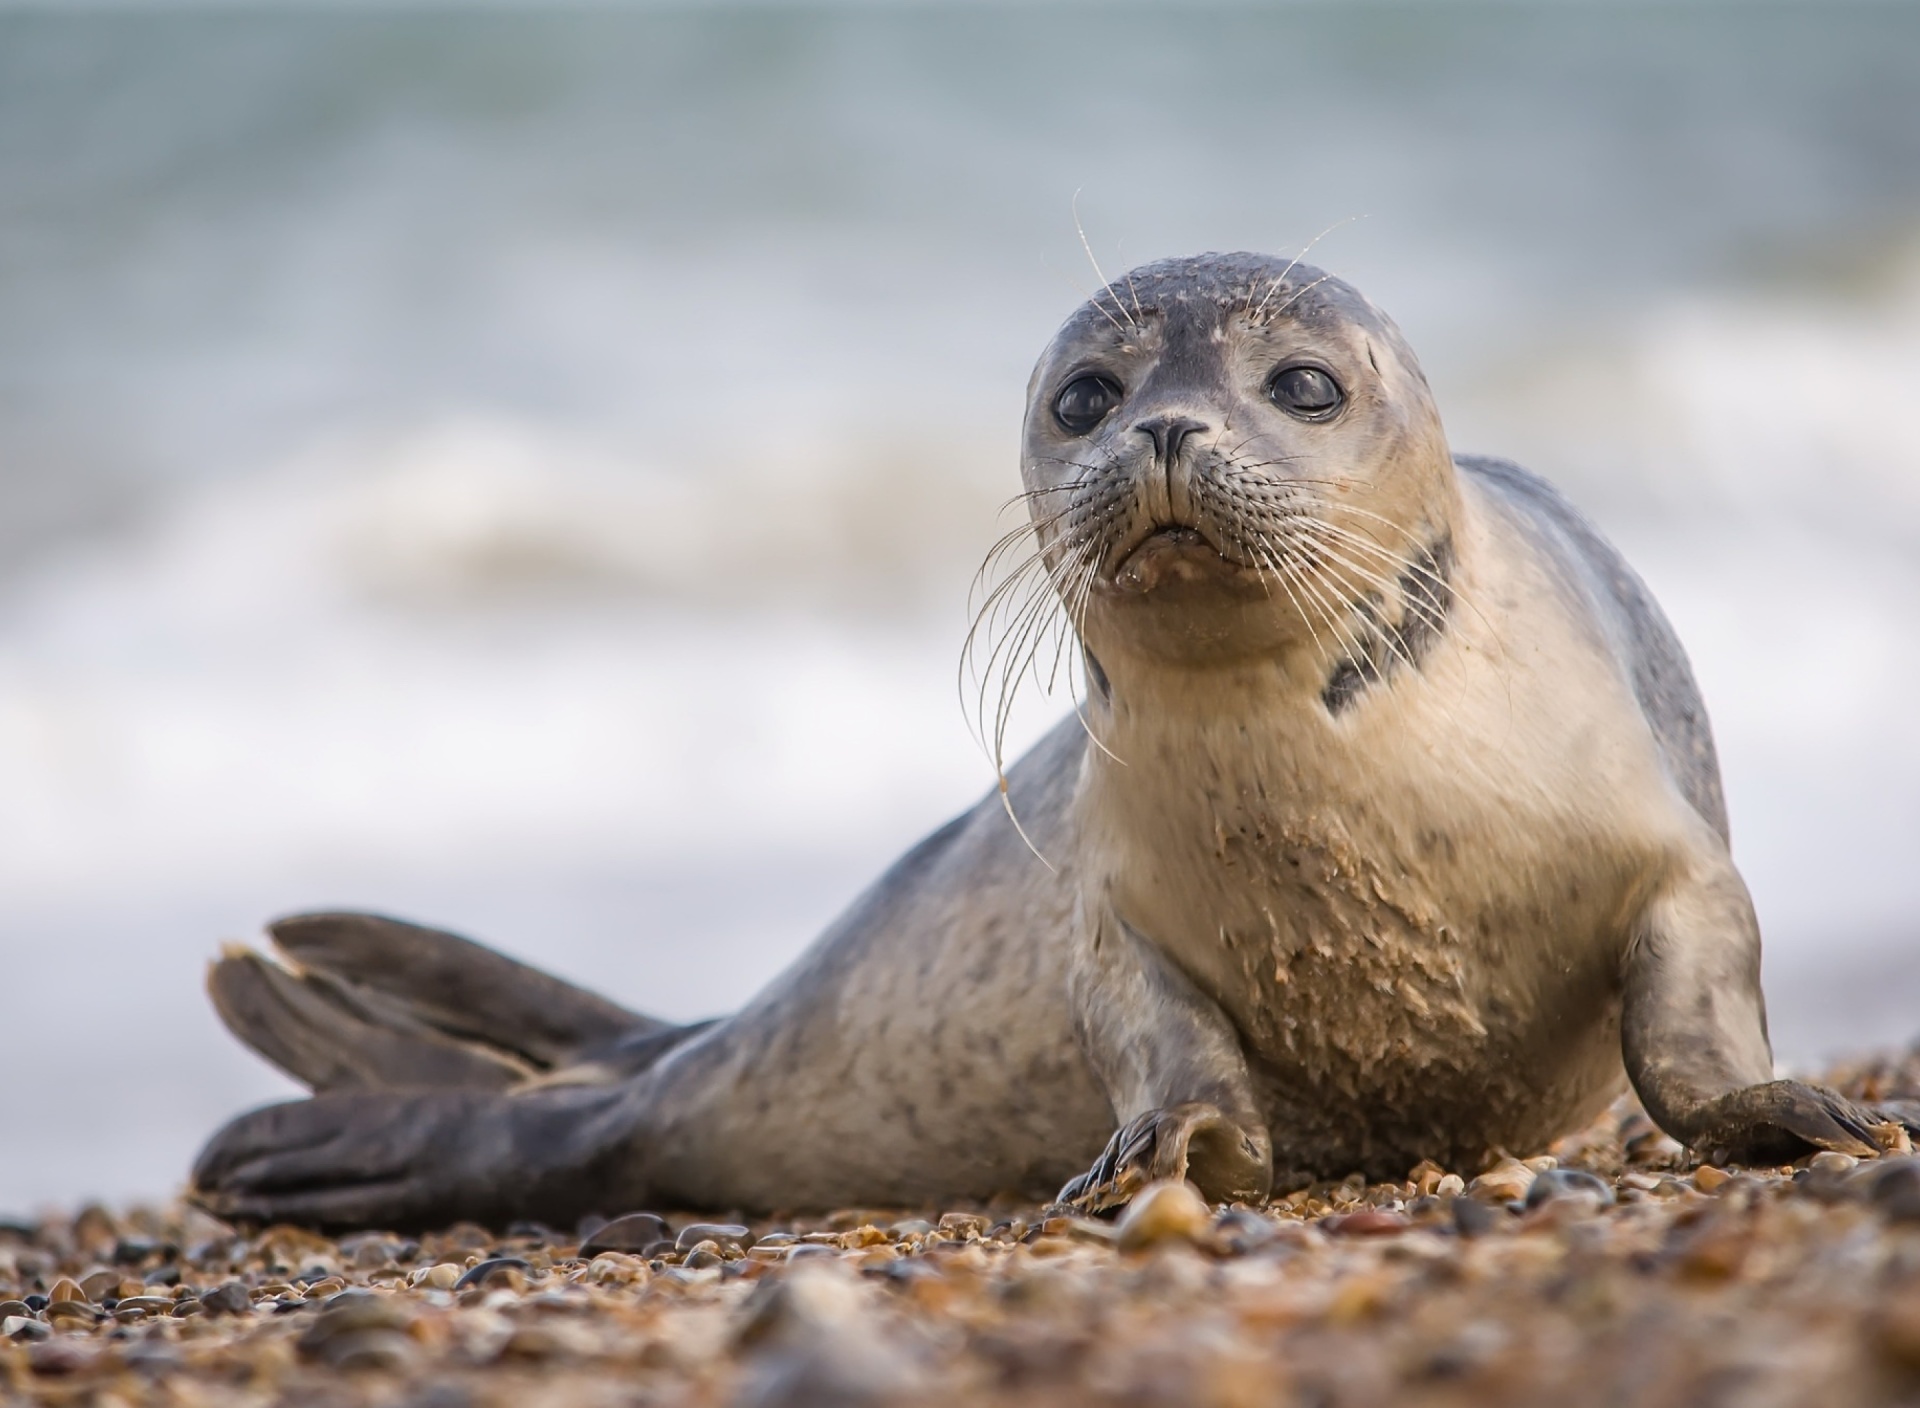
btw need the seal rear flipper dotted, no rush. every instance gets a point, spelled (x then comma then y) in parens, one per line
(331, 1036)
(459, 987)
(409, 1160)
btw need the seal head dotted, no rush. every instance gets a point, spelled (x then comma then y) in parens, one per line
(1221, 452)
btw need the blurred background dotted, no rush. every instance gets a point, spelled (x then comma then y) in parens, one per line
(522, 469)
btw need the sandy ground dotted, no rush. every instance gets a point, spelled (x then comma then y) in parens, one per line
(1612, 1271)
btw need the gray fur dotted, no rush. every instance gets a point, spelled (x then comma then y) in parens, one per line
(1285, 922)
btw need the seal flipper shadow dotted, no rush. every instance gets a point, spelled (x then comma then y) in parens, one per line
(364, 1002)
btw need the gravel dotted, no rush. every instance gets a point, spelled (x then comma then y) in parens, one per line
(1611, 1270)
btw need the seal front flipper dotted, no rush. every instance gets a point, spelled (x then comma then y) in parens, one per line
(1173, 1066)
(1694, 1031)
(408, 1160)
(368, 1002)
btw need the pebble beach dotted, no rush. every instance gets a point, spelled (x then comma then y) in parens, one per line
(1613, 1270)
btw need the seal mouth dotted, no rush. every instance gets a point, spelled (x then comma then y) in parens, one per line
(1169, 539)
(1168, 553)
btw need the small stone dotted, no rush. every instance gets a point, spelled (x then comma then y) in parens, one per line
(99, 1285)
(1238, 1231)
(359, 1330)
(56, 1359)
(1168, 1211)
(1893, 1138)
(1831, 1161)
(1472, 1218)
(963, 1224)
(131, 1251)
(1506, 1182)
(229, 1299)
(635, 1232)
(1451, 1185)
(21, 1328)
(722, 1234)
(1709, 1179)
(1369, 1222)
(1569, 1185)
(72, 1310)
(703, 1256)
(443, 1276)
(139, 1307)
(66, 1289)
(1425, 1177)
(508, 1271)
(1895, 1330)
(9, 1308)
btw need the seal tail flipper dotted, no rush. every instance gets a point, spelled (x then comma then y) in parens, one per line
(331, 1036)
(367, 1002)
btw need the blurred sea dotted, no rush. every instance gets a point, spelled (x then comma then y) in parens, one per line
(523, 470)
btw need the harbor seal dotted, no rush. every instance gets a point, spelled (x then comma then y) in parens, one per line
(1390, 829)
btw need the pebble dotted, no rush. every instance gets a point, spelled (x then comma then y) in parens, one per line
(1569, 1185)
(1506, 1182)
(1369, 1222)
(229, 1299)
(1402, 1292)
(634, 1232)
(20, 1327)
(1472, 1218)
(1168, 1211)
(724, 1234)
(1709, 1179)
(509, 1271)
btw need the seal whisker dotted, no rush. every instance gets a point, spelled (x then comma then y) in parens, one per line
(1106, 284)
(1294, 263)
(1419, 602)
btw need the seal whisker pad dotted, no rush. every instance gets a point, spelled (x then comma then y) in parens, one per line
(1321, 874)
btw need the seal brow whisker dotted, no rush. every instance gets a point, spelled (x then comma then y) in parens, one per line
(1294, 263)
(1106, 284)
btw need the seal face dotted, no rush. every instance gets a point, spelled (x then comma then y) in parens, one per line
(1391, 830)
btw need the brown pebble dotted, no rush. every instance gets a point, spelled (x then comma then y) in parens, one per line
(1709, 1179)
(58, 1358)
(1506, 1182)
(66, 1289)
(507, 1271)
(1369, 1222)
(1168, 1211)
(100, 1284)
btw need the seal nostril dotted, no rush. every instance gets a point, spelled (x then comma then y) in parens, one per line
(1167, 434)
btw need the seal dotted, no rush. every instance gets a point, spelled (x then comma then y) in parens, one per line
(1391, 829)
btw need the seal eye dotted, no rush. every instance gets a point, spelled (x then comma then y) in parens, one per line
(1086, 401)
(1306, 392)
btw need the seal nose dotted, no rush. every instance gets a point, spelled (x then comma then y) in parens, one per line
(1167, 433)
